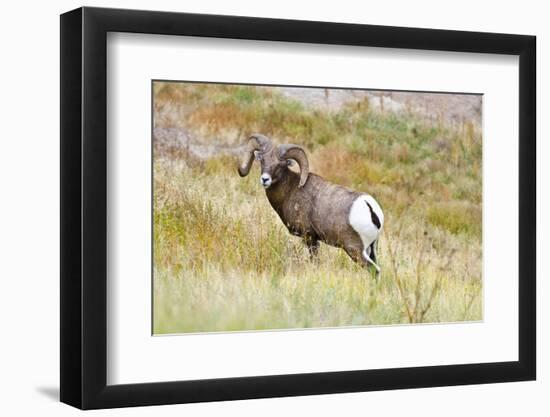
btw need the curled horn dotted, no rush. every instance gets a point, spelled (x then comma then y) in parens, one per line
(298, 154)
(255, 142)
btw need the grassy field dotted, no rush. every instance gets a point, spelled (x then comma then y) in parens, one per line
(223, 260)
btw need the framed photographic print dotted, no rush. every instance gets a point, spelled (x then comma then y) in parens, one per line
(257, 207)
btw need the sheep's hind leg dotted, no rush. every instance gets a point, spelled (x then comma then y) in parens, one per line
(356, 254)
(373, 249)
(369, 254)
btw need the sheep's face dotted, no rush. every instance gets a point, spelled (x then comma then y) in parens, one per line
(273, 169)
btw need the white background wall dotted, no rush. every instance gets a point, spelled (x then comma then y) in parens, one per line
(29, 238)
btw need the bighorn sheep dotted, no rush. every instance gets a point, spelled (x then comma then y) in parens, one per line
(313, 208)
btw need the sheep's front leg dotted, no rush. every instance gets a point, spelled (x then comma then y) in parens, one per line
(313, 247)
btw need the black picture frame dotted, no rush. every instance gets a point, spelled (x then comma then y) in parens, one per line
(84, 207)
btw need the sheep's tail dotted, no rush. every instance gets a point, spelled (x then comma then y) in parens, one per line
(374, 218)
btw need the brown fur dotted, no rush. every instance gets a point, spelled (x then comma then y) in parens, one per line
(316, 211)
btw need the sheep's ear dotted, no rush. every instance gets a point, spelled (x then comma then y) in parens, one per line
(289, 151)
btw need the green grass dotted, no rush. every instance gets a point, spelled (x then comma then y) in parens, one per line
(456, 218)
(223, 261)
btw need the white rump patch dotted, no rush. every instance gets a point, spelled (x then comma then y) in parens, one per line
(360, 218)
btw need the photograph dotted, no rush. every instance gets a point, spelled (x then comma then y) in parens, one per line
(291, 207)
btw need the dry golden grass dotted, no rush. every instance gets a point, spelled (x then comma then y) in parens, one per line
(223, 261)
